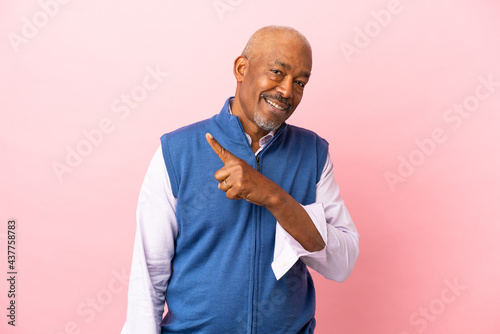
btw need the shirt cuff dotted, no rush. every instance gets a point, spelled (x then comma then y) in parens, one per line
(287, 250)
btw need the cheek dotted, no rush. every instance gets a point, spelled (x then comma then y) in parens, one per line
(297, 98)
(265, 84)
(247, 91)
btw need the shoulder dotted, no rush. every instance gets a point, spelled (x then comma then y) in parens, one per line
(187, 130)
(297, 133)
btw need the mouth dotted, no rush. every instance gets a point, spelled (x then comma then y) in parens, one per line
(277, 105)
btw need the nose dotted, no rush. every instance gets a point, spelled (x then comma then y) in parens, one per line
(285, 88)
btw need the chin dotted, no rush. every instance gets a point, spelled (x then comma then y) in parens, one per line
(266, 124)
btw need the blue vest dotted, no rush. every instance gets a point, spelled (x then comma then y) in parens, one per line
(222, 281)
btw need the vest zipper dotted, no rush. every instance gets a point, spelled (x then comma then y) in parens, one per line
(256, 259)
(257, 157)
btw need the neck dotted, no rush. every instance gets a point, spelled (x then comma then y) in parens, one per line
(249, 126)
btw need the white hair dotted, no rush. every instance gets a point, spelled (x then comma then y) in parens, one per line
(264, 35)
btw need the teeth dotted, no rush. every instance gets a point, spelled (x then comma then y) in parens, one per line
(274, 105)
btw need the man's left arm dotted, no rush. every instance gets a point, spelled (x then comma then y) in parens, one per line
(329, 214)
(322, 234)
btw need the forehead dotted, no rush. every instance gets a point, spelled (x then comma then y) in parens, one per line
(291, 55)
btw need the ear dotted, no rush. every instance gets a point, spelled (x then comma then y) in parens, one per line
(240, 68)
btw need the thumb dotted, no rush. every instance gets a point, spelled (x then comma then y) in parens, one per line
(223, 154)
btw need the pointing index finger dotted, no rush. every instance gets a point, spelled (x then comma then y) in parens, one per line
(223, 154)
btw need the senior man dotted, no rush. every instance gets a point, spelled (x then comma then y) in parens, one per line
(231, 257)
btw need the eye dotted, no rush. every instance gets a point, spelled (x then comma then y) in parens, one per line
(300, 83)
(276, 71)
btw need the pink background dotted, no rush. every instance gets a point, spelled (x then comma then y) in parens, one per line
(434, 226)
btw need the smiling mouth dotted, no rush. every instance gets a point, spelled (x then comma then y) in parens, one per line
(275, 105)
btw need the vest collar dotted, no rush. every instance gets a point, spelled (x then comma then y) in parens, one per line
(231, 126)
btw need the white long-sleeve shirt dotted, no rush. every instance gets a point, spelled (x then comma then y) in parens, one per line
(157, 229)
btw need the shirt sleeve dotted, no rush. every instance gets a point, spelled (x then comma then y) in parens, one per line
(153, 251)
(330, 216)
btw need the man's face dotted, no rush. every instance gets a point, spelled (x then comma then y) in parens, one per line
(274, 82)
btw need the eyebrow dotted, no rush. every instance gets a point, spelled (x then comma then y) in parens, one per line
(281, 63)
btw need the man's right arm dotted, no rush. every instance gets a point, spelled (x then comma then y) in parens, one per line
(153, 251)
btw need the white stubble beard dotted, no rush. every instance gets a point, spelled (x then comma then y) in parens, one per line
(265, 124)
